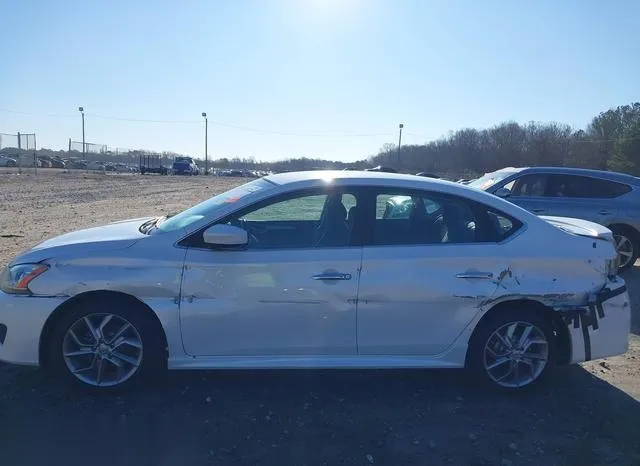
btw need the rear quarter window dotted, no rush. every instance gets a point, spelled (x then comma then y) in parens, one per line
(609, 189)
(503, 225)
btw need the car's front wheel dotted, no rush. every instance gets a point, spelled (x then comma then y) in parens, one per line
(106, 345)
(512, 350)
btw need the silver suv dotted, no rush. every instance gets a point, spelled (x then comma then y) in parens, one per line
(609, 198)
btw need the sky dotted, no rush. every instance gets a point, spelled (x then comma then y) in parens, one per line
(317, 78)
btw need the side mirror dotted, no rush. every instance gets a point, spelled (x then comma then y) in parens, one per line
(225, 235)
(503, 192)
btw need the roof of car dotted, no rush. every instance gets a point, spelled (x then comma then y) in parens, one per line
(293, 177)
(606, 175)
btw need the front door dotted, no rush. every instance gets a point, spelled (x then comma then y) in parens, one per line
(433, 262)
(528, 192)
(291, 291)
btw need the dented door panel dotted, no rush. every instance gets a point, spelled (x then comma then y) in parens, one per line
(416, 300)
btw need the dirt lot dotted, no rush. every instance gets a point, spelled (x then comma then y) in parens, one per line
(586, 415)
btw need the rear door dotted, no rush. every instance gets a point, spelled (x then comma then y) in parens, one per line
(426, 271)
(583, 197)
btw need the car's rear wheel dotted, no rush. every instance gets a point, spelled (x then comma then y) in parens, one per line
(106, 345)
(626, 246)
(513, 350)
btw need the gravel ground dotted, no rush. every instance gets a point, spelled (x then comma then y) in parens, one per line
(586, 415)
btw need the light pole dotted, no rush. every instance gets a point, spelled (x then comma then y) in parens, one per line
(81, 109)
(399, 143)
(206, 132)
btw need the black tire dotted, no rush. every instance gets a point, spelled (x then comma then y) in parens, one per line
(484, 331)
(621, 231)
(152, 352)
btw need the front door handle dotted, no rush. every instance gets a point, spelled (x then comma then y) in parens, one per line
(538, 211)
(605, 212)
(332, 276)
(476, 275)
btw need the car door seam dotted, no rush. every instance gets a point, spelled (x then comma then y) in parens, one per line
(357, 300)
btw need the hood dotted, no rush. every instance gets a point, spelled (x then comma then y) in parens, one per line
(580, 227)
(116, 235)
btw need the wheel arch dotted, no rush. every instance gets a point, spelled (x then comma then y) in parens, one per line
(623, 226)
(561, 331)
(49, 326)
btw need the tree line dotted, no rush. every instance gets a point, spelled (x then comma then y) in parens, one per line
(610, 142)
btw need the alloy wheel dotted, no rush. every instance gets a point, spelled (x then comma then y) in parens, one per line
(516, 354)
(624, 248)
(102, 350)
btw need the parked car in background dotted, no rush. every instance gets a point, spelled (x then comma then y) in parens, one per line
(95, 165)
(185, 166)
(122, 168)
(232, 172)
(7, 162)
(57, 162)
(322, 269)
(44, 162)
(78, 164)
(608, 198)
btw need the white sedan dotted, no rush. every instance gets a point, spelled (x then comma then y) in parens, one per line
(318, 269)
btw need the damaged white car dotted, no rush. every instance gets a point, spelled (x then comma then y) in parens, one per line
(320, 269)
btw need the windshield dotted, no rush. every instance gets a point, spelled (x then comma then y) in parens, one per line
(489, 179)
(207, 208)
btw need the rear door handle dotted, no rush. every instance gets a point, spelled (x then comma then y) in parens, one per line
(605, 212)
(476, 275)
(538, 211)
(332, 276)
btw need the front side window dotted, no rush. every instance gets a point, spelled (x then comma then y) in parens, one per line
(529, 186)
(300, 221)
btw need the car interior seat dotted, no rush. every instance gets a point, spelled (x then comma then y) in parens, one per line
(332, 229)
(459, 229)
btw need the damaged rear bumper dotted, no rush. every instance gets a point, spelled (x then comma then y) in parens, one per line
(601, 327)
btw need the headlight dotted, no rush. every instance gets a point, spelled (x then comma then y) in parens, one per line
(16, 279)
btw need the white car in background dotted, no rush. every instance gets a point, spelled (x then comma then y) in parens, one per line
(321, 269)
(7, 162)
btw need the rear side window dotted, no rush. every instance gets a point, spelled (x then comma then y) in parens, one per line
(423, 218)
(584, 186)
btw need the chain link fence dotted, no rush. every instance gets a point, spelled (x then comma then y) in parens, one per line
(89, 148)
(98, 156)
(18, 151)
